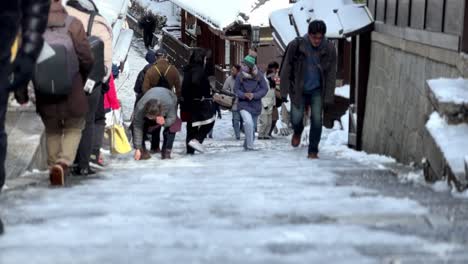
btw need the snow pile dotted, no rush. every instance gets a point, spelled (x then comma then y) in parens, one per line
(113, 10)
(349, 18)
(343, 91)
(452, 140)
(450, 90)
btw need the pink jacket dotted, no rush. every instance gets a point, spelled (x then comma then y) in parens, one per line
(110, 98)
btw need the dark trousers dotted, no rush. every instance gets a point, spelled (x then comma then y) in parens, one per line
(87, 136)
(148, 38)
(314, 101)
(168, 136)
(3, 136)
(199, 133)
(99, 127)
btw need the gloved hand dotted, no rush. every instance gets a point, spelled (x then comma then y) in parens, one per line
(21, 72)
(284, 100)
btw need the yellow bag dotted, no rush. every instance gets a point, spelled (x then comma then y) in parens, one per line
(118, 138)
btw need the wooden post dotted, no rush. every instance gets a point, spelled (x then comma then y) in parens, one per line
(363, 67)
(464, 44)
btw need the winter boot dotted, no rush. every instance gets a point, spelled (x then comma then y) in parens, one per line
(57, 175)
(313, 156)
(83, 171)
(195, 144)
(296, 140)
(155, 150)
(166, 154)
(145, 155)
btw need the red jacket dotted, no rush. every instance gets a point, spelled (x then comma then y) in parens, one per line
(110, 98)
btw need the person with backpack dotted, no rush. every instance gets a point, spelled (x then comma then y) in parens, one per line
(148, 24)
(158, 105)
(97, 30)
(62, 104)
(31, 17)
(308, 75)
(161, 74)
(229, 87)
(197, 101)
(250, 87)
(150, 57)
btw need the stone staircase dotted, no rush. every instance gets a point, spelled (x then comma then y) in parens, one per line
(447, 129)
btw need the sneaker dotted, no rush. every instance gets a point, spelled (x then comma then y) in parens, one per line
(83, 171)
(196, 145)
(96, 163)
(296, 140)
(57, 175)
(313, 156)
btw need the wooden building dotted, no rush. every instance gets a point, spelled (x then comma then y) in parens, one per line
(226, 29)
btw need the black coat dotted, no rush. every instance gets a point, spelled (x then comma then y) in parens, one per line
(292, 71)
(148, 24)
(196, 93)
(34, 15)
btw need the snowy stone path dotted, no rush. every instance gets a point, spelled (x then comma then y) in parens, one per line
(229, 206)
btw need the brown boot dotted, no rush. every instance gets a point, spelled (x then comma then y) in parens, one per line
(145, 155)
(313, 156)
(166, 154)
(296, 140)
(56, 175)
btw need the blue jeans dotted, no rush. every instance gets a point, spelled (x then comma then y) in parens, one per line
(236, 123)
(314, 100)
(250, 126)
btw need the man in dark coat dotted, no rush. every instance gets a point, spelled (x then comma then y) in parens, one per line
(308, 75)
(33, 14)
(148, 24)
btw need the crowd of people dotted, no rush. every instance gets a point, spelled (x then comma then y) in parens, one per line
(307, 77)
(74, 94)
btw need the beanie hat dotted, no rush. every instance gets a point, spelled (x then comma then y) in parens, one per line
(249, 61)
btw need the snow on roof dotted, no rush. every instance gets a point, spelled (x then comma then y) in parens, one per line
(283, 30)
(451, 139)
(222, 14)
(450, 90)
(342, 17)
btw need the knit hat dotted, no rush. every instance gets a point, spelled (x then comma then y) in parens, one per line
(249, 61)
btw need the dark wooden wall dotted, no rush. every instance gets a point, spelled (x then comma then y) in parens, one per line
(445, 16)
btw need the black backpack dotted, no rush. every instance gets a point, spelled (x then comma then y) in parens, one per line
(163, 82)
(97, 48)
(54, 75)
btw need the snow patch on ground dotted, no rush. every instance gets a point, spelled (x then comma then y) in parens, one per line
(450, 90)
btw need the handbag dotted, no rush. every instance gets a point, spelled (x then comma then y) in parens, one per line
(177, 126)
(118, 137)
(224, 98)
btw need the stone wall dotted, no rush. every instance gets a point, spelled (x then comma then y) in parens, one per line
(397, 105)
